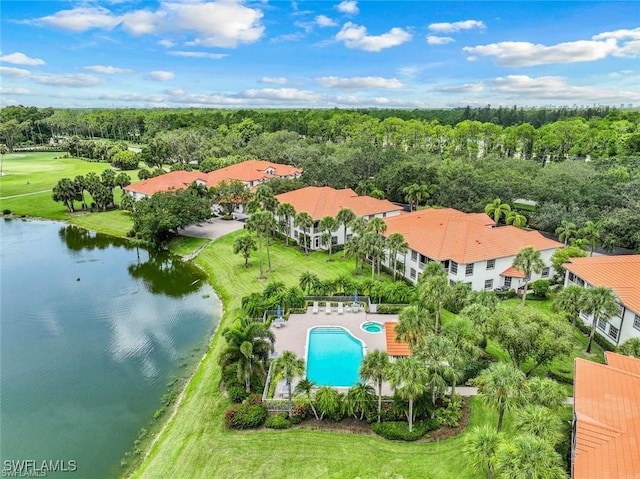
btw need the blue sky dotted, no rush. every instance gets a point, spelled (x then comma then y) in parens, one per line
(238, 54)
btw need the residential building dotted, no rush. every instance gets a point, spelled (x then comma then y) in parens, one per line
(321, 201)
(606, 419)
(250, 172)
(471, 247)
(620, 273)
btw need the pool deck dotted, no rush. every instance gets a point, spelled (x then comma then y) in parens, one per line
(292, 336)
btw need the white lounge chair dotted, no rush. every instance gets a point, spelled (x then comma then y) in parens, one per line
(315, 307)
(327, 308)
(340, 308)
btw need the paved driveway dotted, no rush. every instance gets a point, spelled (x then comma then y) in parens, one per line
(212, 229)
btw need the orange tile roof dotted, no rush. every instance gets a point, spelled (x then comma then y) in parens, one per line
(620, 273)
(446, 233)
(607, 411)
(174, 180)
(513, 272)
(395, 347)
(321, 201)
(251, 170)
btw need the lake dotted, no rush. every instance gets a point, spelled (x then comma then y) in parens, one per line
(92, 331)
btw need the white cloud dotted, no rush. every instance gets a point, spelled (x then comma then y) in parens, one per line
(324, 21)
(160, 75)
(288, 94)
(142, 22)
(80, 19)
(528, 54)
(107, 70)
(166, 43)
(629, 49)
(623, 34)
(19, 58)
(288, 37)
(359, 82)
(78, 80)
(355, 36)
(350, 7)
(211, 56)
(134, 97)
(436, 40)
(14, 91)
(274, 80)
(466, 88)
(447, 27)
(14, 72)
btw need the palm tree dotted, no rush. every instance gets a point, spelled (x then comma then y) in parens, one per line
(328, 225)
(480, 446)
(539, 421)
(396, 244)
(376, 225)
(305, 389)
(244, 244)
(372, 245)
(434, 268)
(434, 353)
(290, 366)
(344, 217)
(409, 378)
(601, 304)
(375, 367)
(545, 392)
(353, 249)
(329, 402)
(590, 232)
(287, 213)
(246, 330)
(631, 347)
(309, 281)
(497, 209)
(358, 400)
(501, 386)
(415, 194)
(566, 231)
(413, 325)
(528, 457)
(528, 260)
(245, 364)
(303, 220)
(480, 316)
(359, 225)
(259, 222)
(434, 291)
(571, 300)
(516, 219)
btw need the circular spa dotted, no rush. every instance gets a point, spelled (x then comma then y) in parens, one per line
(372, 327)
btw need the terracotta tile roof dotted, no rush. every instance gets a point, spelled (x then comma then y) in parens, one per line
(620, 273)
(174, 180)
(607, 411)
(321, 201)
(251, 170)
(513, 272)
(394, 347)
(446, 233)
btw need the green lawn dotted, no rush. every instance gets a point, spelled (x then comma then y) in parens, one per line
(114, 223)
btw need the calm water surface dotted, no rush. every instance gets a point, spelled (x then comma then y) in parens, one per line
(91, 332)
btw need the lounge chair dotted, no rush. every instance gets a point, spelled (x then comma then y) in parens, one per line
(327, 308)
(340, 308)
(315, 307)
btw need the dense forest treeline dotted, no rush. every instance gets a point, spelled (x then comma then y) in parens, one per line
(579, 165)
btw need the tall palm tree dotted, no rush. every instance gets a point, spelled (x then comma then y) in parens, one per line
(353, 249)
(259, 223)
(328, 225)
(434, 291)
(397, 245)
(305, 389)
(601, 304)
(566, 231)
(287, 213)
(245, 368)
(528, 457)
(290, 366)
(415, 194)
(303, 220)
(409, 378)
(358, 225)
(571, 301)
(539, 421)
(308, 281)
(480, 446)
(246, 330)
(375, 367)
(497, 209)
(545, 392)
(328, 401)
(516, 219)
(528, 260)
(372, 245)
(480, 316)
(344, 217)
(590, 232)
(376, 225)
(244, 244)
(414, 324)
(501, 386)
(358, 401)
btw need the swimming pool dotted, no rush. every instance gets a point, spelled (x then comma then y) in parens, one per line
(334, 356)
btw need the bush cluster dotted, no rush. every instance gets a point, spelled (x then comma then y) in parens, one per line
(299, 413)
(451, 414)
(399, 430)
(248, 415)
(599, 340)
(278, 421)
(390, 308)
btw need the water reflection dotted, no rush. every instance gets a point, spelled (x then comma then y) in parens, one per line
(78, 239)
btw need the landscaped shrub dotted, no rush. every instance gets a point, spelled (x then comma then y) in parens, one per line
(299, 413)
(540, 288)
(399, 430)
(561, 375)
(236, 393)
(248, 415)
(6, 212)
(451, 414)
(473, 368)
(278, 421)
(508, 294)
(390, 308)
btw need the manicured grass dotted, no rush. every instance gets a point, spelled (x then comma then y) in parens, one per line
(197, 444)
(114, 223)
(185, 246)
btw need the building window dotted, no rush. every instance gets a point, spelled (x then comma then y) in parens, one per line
(602, 325)
(507, 281)
(491, 263)
(572, 277)
(613, 332)
(334, 240)
(469, 270)
(453, 267)
(636, 321)
(295, 234)
(620, 310)
(412, 273)
(414, 256)
(545, 272)
(316, 242)
(488, 284)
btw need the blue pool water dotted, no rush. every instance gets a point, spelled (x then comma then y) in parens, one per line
(334, 357)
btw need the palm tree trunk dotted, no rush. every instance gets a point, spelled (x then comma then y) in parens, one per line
(290, 400)
(500, 417)
(268, 255)
(260, 242)
(410, 415)
(524, 293)
(379, 400)
(437, 327)
(593, 330)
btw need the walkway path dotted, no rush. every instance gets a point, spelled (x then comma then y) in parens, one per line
(25, 194)
(212, 229)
